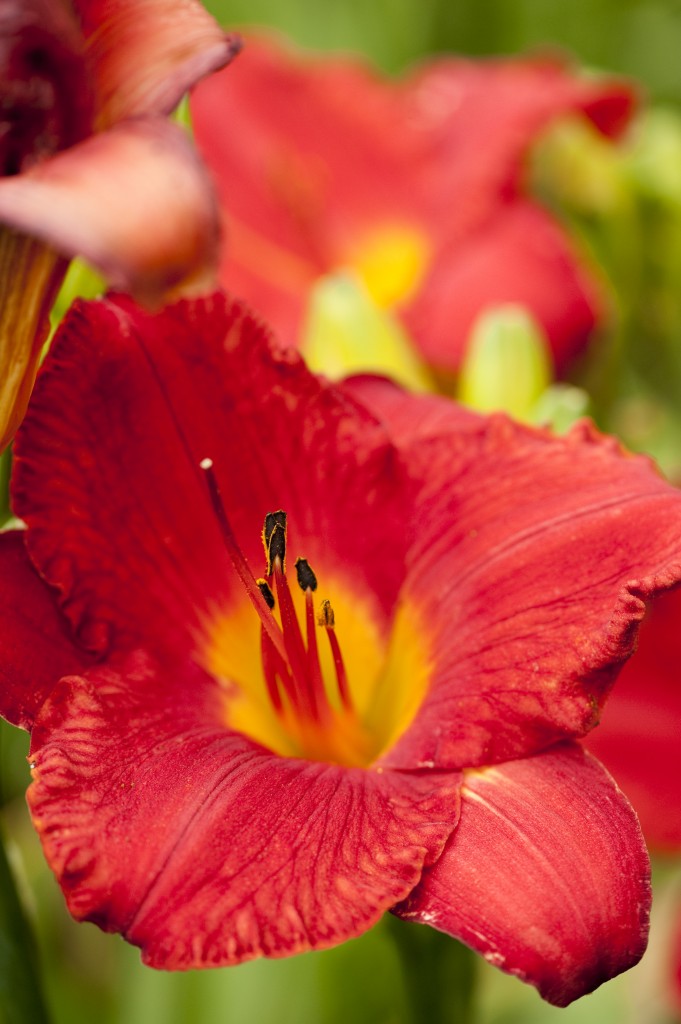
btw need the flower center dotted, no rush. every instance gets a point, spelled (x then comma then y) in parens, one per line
(296, 697)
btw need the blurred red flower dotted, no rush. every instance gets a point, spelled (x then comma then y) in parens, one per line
(417, 185)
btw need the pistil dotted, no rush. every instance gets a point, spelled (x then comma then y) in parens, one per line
(254, 592)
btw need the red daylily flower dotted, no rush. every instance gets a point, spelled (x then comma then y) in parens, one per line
(417, 185)
(218, 777)
(639, 738)
(89, 165)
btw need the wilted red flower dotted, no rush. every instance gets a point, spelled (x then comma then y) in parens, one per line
(216, 776)
(418, 185)
(88, 164)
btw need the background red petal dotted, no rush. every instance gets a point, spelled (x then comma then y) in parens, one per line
(522, 255)
(308, 159)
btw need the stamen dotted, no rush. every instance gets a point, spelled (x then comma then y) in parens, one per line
(290, 661)
(306, 577)
(341, 674)
(266, 591)
(327, 619)
(326, 616)
(274, 539)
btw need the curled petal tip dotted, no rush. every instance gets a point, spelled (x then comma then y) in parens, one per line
(234, 44)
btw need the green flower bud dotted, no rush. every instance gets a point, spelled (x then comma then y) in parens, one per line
(346, 332)
(508, 363)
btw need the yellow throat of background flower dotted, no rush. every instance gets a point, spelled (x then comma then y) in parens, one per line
(391, 260)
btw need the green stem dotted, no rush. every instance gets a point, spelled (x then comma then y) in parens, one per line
(439, 974)
(21, 1000)
(5, 469)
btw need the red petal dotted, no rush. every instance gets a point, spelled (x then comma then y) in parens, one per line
(313, 160)
(107, 470)
(205, 849)
(409, 418)
(35, 646)
(135, 201)
(145, 54)
(638, 740)
(521, 255)
(546, 875)
(531, 566)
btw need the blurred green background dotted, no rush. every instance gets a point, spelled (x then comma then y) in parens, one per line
(636, 37)
(88, 975)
